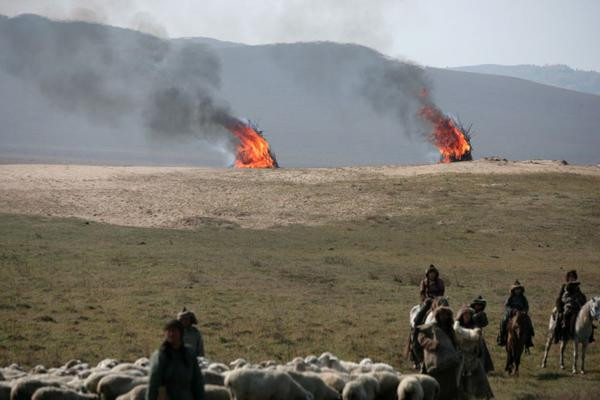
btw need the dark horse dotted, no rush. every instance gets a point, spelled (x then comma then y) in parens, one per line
(516, 340)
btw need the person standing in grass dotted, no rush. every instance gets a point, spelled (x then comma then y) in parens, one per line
(481, 321)
(174, 371)
(192, 338)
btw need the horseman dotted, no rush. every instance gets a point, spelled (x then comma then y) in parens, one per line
(516, 301)
(432, 286)
(568, 303)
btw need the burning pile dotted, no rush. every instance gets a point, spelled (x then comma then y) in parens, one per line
(449, 136)
(253, 150)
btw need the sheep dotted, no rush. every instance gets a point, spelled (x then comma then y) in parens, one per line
(219, 368)
(54, 393)
(213, 378)
(24, 388)
(251, 384)
(91, 382)
(107, 363)
(315, 385)
(213, 392)
(137, 393)
(388, 384)
(239, 363)
(114, 385)
(127, 367)
(143, 362)
(364, 387)
(414, 385)
(336, 380)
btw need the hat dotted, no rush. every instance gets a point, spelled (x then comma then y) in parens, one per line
(443, 310)
(432, 268)
(571, 273)
(463, 310)
(478, 301)
(516, 285)
(185, 313)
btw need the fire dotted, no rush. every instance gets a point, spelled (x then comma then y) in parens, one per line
(253, 149)
(452, 141)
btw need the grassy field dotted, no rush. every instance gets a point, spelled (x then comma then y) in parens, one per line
(71, 288)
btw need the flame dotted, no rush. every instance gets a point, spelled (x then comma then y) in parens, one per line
(253, 149)
(452, 143)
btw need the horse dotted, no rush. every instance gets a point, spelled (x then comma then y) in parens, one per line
(415, 353)
(589, 312)
(516, 340)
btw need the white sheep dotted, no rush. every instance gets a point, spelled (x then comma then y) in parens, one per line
(107, 363)
(54, 393)
(239, 363)
(24, 388)
(388, 384)
(143, 362)
(213, 378)
(128, 367)
(113, 385)
(313, 383)
(137, 393)
(218, 368)
(91, 382)
(418, 387)
(364, 387)
(336, 380)
(252, 384)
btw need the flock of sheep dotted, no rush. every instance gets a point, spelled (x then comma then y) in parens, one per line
(312, 378)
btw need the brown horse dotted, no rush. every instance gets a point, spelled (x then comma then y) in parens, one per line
(516, 340)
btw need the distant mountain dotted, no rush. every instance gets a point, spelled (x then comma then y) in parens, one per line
(556, 75)
(309, 98)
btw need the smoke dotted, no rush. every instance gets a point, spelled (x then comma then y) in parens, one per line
(165, 88)
(398, 89)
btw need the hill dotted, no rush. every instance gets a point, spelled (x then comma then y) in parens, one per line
(315, 102)
(556, 75)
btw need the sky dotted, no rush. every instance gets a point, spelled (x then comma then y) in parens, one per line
(440, 33)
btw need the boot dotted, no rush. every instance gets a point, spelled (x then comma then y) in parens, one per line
(501, 339)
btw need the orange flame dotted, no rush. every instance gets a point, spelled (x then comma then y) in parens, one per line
(253, 150)
(451, 141)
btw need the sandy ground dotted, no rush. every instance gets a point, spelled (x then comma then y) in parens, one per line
(177, 197)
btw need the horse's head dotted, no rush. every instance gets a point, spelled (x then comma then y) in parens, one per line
(595, 308)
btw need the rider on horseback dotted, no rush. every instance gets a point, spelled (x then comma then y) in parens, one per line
(516, 301)
(569, 302)
(432, 286)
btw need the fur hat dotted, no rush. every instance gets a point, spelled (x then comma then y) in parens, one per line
(515, 286)
(572, 273)
(443, 310)
(432, 268)
(185, 313)
(463, 310)
(478, 301)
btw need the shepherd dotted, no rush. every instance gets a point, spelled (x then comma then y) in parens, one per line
(192, 338)
(480, 320)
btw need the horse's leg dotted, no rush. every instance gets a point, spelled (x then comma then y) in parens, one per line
(508, 367)
(517, 360)
(583, 349)
(563, 344)
(575, 353)
(547, 349)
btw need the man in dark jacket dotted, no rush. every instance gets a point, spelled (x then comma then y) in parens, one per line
(174, 370)
(192, 338)
(516, 301)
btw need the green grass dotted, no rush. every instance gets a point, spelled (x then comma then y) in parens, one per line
(76, 289)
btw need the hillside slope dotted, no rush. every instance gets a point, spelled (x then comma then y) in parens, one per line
(309, 98)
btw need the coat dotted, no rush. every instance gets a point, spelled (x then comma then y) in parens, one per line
(518, 302)
(431, 289)
(178, 372)
(481, 321)
(442, 359)
(192, 339)
(473, 380)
